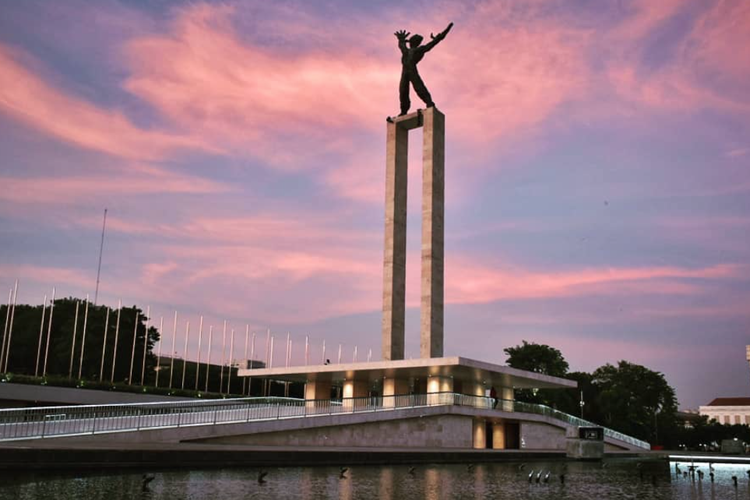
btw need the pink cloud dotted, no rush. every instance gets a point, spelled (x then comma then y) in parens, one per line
(131, 180)
(27, 97)
(469, 282)
(291, 107)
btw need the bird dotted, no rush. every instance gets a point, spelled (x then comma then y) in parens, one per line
(531, 475)
(412, 470)
(261, 477)
(470, 467)
(539, 476)
(546, 477)
(562, 478)
(342, 472)
(522, 467)
(146, 479)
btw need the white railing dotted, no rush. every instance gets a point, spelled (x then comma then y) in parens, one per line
(45, 422)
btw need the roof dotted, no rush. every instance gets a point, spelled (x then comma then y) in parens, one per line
(730, 402)
(457, 367)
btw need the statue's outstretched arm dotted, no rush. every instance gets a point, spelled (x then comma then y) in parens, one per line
(402, 36)
(437, 38)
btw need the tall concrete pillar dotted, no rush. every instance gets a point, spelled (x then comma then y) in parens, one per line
(433, 210)
(394, 262)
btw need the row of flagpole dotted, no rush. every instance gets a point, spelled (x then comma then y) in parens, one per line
(268, 361)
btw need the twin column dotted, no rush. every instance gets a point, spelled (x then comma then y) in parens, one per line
(433, 202)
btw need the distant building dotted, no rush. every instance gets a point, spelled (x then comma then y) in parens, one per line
(688, 418)
(728, 411)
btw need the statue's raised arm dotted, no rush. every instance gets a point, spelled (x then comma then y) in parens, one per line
(402, 36)
(435, 39)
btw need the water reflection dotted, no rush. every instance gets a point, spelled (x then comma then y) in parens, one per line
(620, 479)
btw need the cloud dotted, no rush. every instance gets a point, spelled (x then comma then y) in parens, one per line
(133, 180)
(476, 283)
(27, 97)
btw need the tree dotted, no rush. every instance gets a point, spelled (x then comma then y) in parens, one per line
(636, 401)
(27, 354)
(538, 358)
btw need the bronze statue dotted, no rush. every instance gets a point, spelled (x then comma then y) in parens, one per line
(410, 56)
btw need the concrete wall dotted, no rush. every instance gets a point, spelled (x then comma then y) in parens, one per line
(539, 436)
(441, 431)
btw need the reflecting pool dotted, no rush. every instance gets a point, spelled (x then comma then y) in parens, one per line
(612, 479)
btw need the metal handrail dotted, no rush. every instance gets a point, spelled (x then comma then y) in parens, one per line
(44, 422)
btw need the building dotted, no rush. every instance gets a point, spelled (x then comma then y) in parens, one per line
(728, 411)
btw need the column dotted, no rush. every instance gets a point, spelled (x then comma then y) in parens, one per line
(507, 396)
(479, 429)
(437, 387)
(433, 209)
(354, 389)
(394, 260)
(317, 396)
(498, 435)
(395, 392)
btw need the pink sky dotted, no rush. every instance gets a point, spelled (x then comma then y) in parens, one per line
(598, 171)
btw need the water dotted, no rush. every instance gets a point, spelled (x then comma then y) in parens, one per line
(620, 479)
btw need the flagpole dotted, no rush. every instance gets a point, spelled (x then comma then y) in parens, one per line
(157, 369)
(208, 358)
(268, 341)
(49, 332)
(101, 251)
(73, 346)
(117, 337)
(172, 352)
(41, 331)
(250, 379)
(339, 359)
(323, 359)
(5, 328)
(247, 337)
(223, 357)
(145, 346)
(231, 355)
(10, 329)
(185, 353)
(104, 345)
(132, 351)
(83, 336)
(198, 364)
(307, 346)
(354, 358)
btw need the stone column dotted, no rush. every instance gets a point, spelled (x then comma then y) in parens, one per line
(498, 435)
(394, 260)
(317, 396)
(507, 395)
(393, 387)
(433, 228)
(436, 386)
(354, 389)
(479, 433)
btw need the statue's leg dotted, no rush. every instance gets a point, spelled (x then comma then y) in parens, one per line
(421, 90)
(403, 94)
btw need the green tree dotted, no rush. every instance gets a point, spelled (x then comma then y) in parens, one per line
(636, 401)
(538, 358)
(27, 353)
